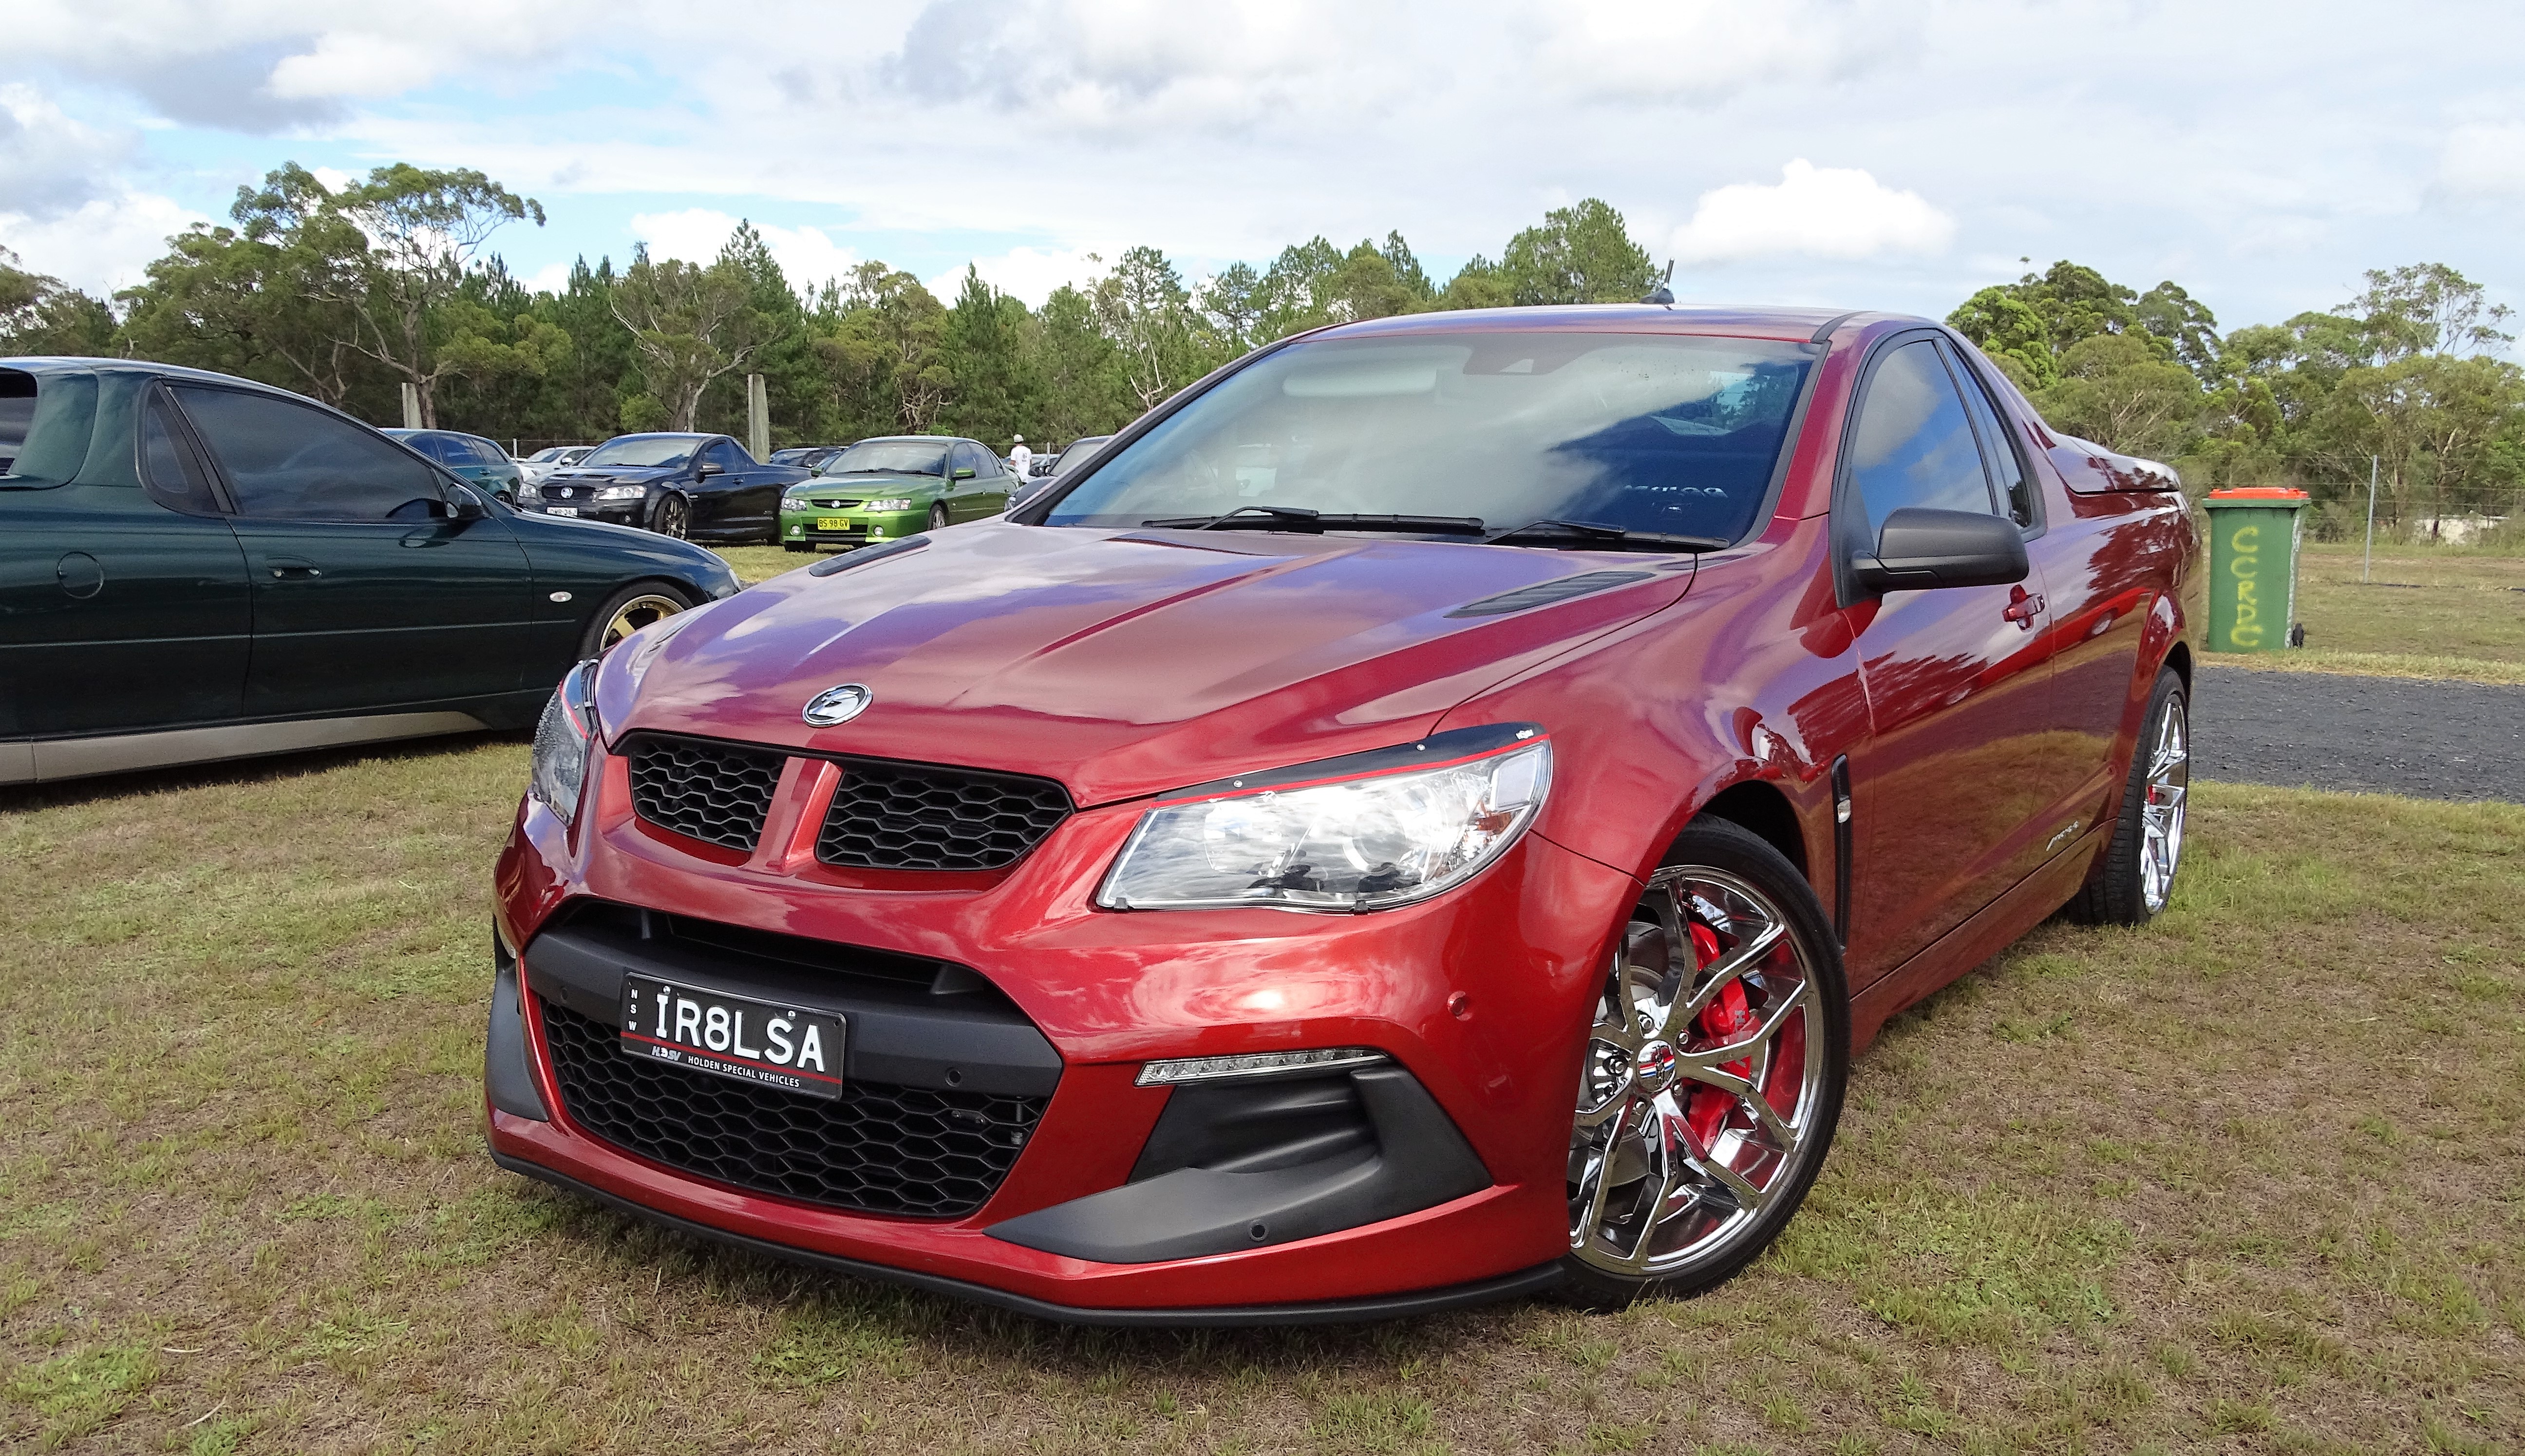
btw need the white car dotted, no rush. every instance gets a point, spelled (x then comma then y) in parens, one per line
(543, 463)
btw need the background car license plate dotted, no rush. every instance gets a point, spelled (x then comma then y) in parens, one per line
(563, 509)
(730, 1036)
(832, 523)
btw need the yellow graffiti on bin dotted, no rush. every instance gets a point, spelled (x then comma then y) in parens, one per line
(2246, 629)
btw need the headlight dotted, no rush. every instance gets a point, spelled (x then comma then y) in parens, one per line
(895, 503)
(562, 738)
(621, 492)
(1361, 833)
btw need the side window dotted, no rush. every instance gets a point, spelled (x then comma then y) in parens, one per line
(970, 458)
(287, 461)
(1999, 443)
(166, 464)
(439, 448)
(1913, 446)
(725, 456)
(487, 454)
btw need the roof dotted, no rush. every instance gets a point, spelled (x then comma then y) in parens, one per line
(1788, 324)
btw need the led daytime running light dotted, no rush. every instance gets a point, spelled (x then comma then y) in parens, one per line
(1255, 1064)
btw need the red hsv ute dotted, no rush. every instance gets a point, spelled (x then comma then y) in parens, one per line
(1428, 816)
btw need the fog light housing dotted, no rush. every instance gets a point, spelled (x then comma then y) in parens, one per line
(1180, 1070)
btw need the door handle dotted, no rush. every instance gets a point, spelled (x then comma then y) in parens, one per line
(287, 570)
(2023, 607)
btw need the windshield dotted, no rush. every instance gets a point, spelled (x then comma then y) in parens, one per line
(1647, 432)
(643, 450)
(892, 457)
(1077, 452)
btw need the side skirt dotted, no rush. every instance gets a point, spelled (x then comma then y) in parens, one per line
(49, 760)
(1997, 927)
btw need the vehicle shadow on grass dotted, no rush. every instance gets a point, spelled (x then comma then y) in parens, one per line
(240, 772)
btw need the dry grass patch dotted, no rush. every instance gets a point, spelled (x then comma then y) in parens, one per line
(2250, 1180)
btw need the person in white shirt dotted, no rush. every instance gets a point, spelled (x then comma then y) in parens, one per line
(1021, 458)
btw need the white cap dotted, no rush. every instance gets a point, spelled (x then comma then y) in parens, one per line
(1021, 439)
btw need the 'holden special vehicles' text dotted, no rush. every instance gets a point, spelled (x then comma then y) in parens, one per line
(196, 567)
(1426, 815)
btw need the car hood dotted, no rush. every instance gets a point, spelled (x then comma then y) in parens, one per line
(1123, 663)
(888, 484)
(636, 475)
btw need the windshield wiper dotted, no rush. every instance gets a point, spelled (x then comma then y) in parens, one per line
(1595, 535)
(1317, 522)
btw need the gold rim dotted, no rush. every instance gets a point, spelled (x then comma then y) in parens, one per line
(635, 614)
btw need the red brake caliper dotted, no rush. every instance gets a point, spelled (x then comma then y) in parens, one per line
(1724, 1017)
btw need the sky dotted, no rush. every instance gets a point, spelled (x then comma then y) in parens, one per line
(1891, 154)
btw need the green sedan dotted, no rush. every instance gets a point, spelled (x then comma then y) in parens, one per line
(891, 487)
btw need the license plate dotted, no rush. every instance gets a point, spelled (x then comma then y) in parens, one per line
(832, 523)
(560, 509)
(732, 1035)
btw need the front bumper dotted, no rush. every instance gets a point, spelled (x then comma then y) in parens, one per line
(619, 512)
(1453, 990)
(801, 526)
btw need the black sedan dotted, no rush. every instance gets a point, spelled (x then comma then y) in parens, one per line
(698, 487)
(196, 567)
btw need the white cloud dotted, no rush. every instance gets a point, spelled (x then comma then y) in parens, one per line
(104, 244)
(805, 255)
(1814, 211)
(1030, 273)
(2483, 160)
(49, 161)
(1705, 50)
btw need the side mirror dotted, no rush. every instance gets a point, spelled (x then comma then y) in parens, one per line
(964, 472)
(711, 469)
(464, 505)
(1920, 549)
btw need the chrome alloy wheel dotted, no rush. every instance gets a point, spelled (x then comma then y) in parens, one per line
(2170, 779)
(635, 614)
(1700, 1095)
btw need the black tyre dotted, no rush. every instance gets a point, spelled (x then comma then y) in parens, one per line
(1715, 1065)
(672, 518)
(2135, 875)
(938, 516)
(628, 611)
(795, 546)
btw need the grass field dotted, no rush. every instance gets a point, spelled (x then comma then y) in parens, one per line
(2446, 614)
(2252, 1180)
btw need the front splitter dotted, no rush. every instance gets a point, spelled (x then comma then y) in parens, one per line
(1400, 1306)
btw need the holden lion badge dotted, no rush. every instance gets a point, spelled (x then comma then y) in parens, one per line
(837, 704)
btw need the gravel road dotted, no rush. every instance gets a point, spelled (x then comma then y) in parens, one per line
(2390, 735)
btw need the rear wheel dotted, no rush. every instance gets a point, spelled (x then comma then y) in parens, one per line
(2134, 879)
(1713, 1074)
(938, 516)
(673, 518)
(628, 612)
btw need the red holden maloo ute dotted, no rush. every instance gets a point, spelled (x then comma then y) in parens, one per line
(1427, 816)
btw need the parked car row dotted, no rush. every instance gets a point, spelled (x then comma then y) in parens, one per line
(196, 567)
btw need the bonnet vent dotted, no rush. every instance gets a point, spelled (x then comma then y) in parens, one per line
(1545, 593)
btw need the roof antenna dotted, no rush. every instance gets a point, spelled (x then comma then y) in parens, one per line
(1662, 294)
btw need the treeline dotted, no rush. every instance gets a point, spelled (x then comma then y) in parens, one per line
(2408, 374)
(353, 294)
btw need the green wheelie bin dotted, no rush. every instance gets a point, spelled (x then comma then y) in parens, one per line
(2254, 536)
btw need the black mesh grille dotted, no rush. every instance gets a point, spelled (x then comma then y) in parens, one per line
(914, 817)
(712, 790)
(881, 1148)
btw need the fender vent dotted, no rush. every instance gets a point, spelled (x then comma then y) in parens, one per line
(1545, 593)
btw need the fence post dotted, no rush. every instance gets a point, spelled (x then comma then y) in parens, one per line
(2370, 563)
(410, 406)
(758, 417)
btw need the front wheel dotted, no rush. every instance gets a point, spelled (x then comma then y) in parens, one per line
(628, 612)
(1713, 1074)
(2135, 878)
(673, 518)
(938, 516)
